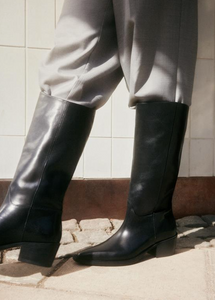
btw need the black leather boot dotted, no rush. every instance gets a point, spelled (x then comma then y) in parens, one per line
(149, 225)
(30, 216)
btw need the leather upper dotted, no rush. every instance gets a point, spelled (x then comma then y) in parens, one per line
(159, 134)
(56, 138)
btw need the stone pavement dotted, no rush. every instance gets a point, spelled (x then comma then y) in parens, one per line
(189, 274)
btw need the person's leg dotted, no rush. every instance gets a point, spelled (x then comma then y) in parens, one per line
(83, 67)
(157, 42)
(157, 48)
(74, 84)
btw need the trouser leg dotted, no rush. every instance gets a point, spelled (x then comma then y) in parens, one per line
(157, 47)
(83, 67)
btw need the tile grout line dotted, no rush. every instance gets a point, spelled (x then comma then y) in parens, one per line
(25, 113)
(55, 13)
(48, 48)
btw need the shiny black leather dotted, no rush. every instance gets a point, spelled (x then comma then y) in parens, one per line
(32, 209)
(136, 236)
(159, 136)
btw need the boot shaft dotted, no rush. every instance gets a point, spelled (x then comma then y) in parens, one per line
(53, 146)
(159, 135)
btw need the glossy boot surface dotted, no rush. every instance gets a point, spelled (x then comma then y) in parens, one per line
(30, 216)
(149, 225)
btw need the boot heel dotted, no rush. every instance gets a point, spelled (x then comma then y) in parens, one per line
(165, 248)
(41, 254)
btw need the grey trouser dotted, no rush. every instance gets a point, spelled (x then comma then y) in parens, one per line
(152, 43)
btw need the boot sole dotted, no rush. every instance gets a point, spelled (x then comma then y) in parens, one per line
(161, 249)
(40, 254)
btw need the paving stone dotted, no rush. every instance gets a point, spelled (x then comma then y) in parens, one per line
(1, 256)
(203, 245)
(180, 276)
(91, 237)
(70, 225)
(66, 238)
(209, 219)
(11, 256)
(179, 234)
(191, 221)
(186, 231)
(188, 242)
(96, 224)
(22, 273)
(204, 233)
(70, 248)
(116, 223)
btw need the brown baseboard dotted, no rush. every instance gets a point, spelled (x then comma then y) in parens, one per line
(106, 198)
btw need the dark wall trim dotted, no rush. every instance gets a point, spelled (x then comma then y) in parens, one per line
(106, 198)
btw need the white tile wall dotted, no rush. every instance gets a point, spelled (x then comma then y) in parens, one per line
(12, 91)
(10, 151)
(33, 58)
(26, 34)
(123, 118)
(201, 157)
(122, 151)
(206, 29)
(97, 158)
(40, 23)
(102, 123)
(59, 5)
(79, 172)
(202, 109)
(184, 167)
(12, 22)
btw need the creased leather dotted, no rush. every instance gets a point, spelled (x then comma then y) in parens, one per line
(137, 234)
(33, 204)
(159, 135)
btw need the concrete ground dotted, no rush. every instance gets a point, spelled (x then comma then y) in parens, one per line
(189, 274)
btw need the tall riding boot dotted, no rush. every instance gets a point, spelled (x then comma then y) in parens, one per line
(30, 216)
(149, 225)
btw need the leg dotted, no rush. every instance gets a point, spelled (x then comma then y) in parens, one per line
(154, 53)
(73, 81)
(157, 48)
(83, 67)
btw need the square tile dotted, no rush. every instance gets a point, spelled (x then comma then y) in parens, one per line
(10, 152)
(59, 6)
(97, 158)
(201, 157)
(34, 58)
(102, 122)
(187, 133)
(122, 153)
(40, 23)
(123, 118)
(202, 108)
(12, 22)
(206, 29)
(12, 91)
(184, 166)
(79, 172)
